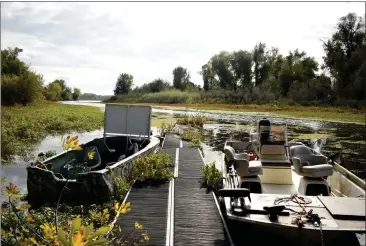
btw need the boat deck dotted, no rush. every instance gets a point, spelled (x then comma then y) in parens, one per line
(178, 212)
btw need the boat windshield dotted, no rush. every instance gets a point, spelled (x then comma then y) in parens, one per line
(274, 134)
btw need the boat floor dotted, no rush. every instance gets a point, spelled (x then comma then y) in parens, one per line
(273, 191)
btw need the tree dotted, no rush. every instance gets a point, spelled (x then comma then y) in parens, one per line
(208, 76)
(76, 94)
(10, 63)
(124, 84)
(19, 85)
(261, 67)
(242, 65)
(221, 65)
(180, 77)
(343, 54)
(53, 91)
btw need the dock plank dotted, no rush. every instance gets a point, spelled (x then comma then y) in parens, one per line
(197, 220)
(149, 205)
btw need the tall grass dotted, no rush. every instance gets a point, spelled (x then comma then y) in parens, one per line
(257, 96)
(23, 127)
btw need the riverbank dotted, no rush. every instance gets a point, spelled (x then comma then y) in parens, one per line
(333, 114)
(23, 127)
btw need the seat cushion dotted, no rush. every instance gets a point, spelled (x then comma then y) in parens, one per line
(316, 171)
(255, 167)
(241, 156)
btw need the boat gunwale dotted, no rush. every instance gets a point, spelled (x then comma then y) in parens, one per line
(154, 141)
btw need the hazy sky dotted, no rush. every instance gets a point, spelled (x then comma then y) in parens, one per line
(90, 44)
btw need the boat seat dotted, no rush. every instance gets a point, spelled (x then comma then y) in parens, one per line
(308, 164)
(92, 160)
(103, 149)
(243, 167)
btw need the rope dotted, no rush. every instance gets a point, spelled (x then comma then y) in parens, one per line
(302, 217)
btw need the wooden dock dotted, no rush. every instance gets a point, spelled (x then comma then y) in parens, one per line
(178, 212)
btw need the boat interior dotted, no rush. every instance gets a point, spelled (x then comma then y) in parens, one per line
(267, 163)
(95, 155)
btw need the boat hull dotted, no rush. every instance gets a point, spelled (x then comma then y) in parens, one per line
(245, 233)
(95, 186)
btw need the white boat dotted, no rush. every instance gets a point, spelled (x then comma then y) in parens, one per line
(289, 189)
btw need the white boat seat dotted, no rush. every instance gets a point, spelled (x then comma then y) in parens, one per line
(231, 155)
(308, 164)
(255, 168)
(243, 167)
(316, 171)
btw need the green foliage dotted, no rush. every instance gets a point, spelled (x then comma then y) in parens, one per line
(22, 128)
(58, 90)
(19, 86)
(180, 78)
(212, 177)
(92, 96)
(53, 92)
(345, 56)
(191, 136)
(76, 94)
(156, 85)
(155, 166)
(166, 127)
(120, 186)
(77, 226)
(124, 84)
(194, 120)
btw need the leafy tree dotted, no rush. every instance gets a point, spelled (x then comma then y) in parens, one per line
(66, 94)
(10, 63)
(242, 65)
(124, 84)
(261, 67)
(221, 65)
(19, 85)
(180, 77)
(53, 91)
(208, 76)
(345, 56)
(76, 94)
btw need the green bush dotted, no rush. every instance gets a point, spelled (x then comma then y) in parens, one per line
(212, 177)
(24, 89)
(154, 166)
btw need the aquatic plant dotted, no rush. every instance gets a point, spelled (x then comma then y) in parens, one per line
(23, 127)
(191, 135)
(212, 177)
(155, 166)
(166, 127)
(195, 120)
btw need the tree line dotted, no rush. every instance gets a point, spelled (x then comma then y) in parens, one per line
(21, 85)
(264, 70)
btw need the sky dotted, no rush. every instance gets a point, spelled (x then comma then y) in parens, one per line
(90, 44)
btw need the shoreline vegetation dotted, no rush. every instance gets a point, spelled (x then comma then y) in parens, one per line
(22, 128)
(321, 113)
